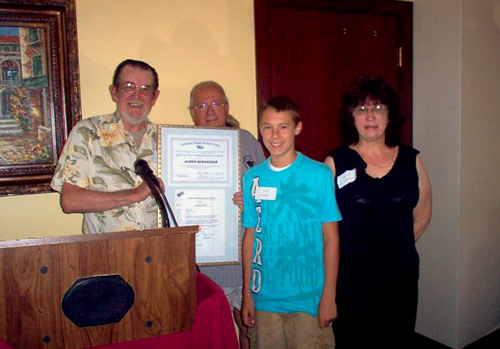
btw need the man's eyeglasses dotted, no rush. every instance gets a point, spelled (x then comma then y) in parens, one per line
(216, 105)
(144, 90)
(376, 109)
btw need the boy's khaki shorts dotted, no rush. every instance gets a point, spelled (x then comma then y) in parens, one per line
(297, 330)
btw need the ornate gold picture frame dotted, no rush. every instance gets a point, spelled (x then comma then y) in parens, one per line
(39, 90)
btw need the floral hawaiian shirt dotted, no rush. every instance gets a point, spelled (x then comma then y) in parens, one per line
(100, 155)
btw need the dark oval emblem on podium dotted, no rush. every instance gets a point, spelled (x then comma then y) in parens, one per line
(98, 300)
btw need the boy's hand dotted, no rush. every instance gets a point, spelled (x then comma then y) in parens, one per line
(238, 199)
(327, 311)
(248, 311)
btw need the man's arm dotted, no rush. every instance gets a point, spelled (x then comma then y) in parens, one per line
(247, 308)
(327, 311)
(79, 200)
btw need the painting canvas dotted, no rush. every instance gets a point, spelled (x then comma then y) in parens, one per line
(25, 117)
(39, 90)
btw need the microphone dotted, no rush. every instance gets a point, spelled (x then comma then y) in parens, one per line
(142, 169)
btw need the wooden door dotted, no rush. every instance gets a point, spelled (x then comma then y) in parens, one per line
(312, 50)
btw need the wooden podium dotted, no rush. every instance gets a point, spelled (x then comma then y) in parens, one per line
(43, 281)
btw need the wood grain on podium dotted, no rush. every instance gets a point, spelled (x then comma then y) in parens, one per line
(36, 273)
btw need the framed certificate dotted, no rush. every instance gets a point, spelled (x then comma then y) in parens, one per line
(200, 168)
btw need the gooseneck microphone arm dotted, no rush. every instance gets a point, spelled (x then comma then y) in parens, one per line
(142, 169)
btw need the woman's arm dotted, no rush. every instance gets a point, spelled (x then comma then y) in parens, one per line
(327, 311)
(329, 161)
(423, 211)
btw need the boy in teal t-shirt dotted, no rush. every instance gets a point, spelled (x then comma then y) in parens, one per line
(291, 243)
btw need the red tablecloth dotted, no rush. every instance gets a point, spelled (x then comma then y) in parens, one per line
(213, 326)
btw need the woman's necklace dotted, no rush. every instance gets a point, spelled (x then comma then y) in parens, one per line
(372, 163)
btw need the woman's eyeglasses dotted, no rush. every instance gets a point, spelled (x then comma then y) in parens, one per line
(376, 109)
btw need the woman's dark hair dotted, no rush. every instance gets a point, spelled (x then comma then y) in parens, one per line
(136, 64)
(378, 90)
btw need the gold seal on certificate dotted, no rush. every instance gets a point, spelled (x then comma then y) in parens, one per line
(200, 169)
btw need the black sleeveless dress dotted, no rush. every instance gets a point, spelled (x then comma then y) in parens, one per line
(377, 287)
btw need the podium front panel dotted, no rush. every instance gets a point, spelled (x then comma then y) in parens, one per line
(155, 268)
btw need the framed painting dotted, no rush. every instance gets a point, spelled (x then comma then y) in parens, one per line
(39, 90)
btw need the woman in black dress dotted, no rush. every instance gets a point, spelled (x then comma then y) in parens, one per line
(384, 194)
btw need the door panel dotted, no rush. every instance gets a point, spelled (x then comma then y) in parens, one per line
(313, 55)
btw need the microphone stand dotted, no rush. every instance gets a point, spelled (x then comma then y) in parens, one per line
(169, 209)
(152, 182)
(159, 197)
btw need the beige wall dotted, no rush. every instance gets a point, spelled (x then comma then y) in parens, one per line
(186, 41)
(456, 112)
(479, 243)
(437, 60)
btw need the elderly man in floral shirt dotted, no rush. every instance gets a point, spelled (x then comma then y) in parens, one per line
(95, 174)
